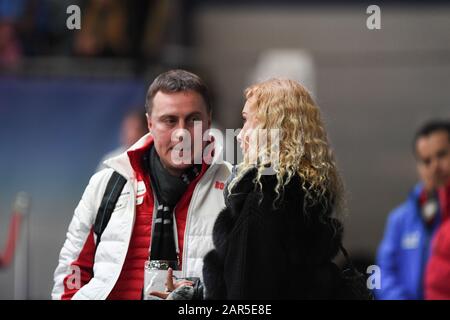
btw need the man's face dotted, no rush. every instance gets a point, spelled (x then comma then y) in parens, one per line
(171, 112)
(433, 159)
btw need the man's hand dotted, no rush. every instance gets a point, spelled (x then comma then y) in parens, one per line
(170, 285)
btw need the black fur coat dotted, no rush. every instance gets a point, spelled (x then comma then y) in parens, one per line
(262, 252)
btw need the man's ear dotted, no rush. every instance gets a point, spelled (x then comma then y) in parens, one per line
(149, 122)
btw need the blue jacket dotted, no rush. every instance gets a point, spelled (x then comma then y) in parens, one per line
(405, 250)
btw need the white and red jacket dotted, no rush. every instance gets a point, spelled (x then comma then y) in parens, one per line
(115, 270)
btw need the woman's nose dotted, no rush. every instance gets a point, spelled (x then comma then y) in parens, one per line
(239, 136)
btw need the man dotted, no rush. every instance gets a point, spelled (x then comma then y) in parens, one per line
(166, 210)
(437, 274)
(133, 127)
(405, 248)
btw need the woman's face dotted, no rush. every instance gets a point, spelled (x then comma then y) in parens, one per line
(250, 123)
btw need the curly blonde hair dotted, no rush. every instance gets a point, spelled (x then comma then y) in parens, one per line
(304, 149)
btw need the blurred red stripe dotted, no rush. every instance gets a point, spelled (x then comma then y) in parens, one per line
(13, 234)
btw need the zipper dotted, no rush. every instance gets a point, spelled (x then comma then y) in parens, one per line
(186, 230)
(155, 205)
(175, 234)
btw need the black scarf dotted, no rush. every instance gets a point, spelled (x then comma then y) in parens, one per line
(168, 190)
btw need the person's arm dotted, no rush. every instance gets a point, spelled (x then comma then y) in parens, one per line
(75, 267)
(387, 260)
(437, 274)
(444, 200)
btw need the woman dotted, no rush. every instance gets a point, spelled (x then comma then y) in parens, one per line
(277, 235)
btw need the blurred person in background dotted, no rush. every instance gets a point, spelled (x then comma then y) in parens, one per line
(11, 50)
(437, 277)
(405, 249)
(134, 28)
(26, 29)
(133, 127)
(103, 29)
(166, 209)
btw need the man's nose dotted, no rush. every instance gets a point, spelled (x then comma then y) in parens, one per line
(182, 125)
(434, 167)
(180, 130)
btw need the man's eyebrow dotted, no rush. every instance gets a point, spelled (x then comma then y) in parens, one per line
(195, 113)
(165, 116)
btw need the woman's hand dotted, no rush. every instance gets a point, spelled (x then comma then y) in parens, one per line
(170, 285)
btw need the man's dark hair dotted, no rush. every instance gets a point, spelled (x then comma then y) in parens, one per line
(177, 81)
(430, 128)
